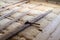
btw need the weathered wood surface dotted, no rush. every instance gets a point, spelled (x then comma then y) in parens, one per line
(18, 17)
(10, 12)
(7, 4)
(31, 32)
(56, 34)
(12, 6)
(23, 26)
(44, 35)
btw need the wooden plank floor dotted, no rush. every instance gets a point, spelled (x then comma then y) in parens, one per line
(32, 34)
(48, 28)
(51, 31)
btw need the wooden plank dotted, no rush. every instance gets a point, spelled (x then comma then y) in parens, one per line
(14, 27)
(12, 6)
(14, 10)
(48, 30)
(24, 26)
(56, 34)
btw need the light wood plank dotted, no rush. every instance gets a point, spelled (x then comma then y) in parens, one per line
(48, 30)
(56, 34)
